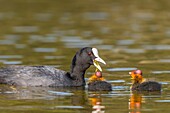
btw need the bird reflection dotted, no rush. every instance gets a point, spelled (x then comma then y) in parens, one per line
(135, 102)
(96, 102)
(17, 92)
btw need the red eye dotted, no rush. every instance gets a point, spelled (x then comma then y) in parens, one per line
(89, 53)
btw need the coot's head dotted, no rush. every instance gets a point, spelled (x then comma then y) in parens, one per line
(136, 76)
(88, 56)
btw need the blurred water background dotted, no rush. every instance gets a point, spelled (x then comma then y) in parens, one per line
(130, 34)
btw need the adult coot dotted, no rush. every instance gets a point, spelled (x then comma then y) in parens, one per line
(50, 76)
(140, 84)
(97, 83)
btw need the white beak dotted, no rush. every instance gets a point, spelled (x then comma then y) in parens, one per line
(97, 59)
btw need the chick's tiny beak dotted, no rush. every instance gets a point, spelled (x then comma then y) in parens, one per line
(130, 73)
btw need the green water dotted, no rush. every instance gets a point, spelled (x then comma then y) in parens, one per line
(128, 34)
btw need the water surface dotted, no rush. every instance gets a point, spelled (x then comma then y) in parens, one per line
(129, 35)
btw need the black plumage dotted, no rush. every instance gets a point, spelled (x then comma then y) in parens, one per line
(99, 86)
(140, 84)
(48, 75)
(147, 86)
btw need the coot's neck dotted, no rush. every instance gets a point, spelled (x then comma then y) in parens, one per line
(77, 71)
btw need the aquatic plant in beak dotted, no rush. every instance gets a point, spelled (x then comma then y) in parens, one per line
(97, 59)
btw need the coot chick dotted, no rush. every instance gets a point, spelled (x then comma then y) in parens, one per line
(97, 83)
(96, 77)
(50, 76)
(140, 84)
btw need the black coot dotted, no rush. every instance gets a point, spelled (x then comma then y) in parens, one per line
(50, 76)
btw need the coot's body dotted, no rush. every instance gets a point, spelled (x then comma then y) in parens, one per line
(50, 76)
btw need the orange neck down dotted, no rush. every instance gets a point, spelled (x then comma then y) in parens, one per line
(137, 79)
(95, 78)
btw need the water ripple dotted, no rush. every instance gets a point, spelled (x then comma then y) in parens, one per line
(25, 29)
(118, 88)
(121, 69)
(96, 15)
(125, 42)
(45, 49)
(12, 62)
(164, 60)
(107, 47)
(54, 57)
(157, 47)
(70, 107)
(165, 83)
(160, 72)
(10, 56)
(116, 81)
(167, 101)
(7, 42)
(60, 93)
(20, 46)
(43, 16)
(127, 50)
(77, 42)
(50, 38)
